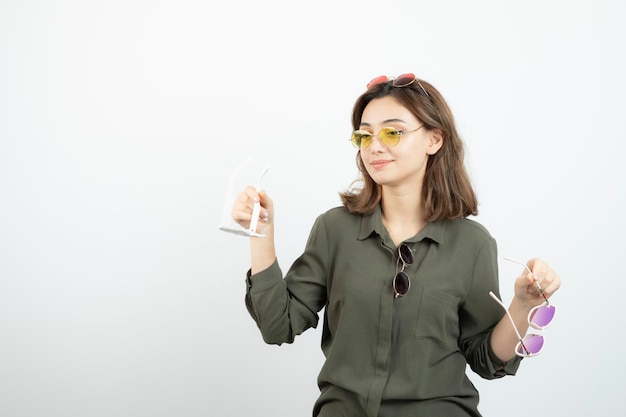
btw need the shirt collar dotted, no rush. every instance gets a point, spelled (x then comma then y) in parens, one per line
(373, 223)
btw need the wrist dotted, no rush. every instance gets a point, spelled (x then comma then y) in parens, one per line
(520, 306)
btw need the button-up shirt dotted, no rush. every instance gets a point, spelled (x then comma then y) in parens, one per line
(387, 355)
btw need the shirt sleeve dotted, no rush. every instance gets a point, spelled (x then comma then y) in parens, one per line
(285, 307)
(478, 313)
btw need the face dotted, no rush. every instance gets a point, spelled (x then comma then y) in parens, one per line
(405, 163)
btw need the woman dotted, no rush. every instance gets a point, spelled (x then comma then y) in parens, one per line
(402, 274)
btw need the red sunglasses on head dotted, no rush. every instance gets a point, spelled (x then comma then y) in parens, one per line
(403, 80)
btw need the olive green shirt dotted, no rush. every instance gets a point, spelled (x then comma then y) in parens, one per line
(388, 356)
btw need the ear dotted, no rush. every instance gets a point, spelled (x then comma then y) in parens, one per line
(435, 141)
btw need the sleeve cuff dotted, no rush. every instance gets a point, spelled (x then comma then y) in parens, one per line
(502, 368)
(263, 280)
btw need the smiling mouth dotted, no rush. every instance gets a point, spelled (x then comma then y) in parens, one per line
(380, 164)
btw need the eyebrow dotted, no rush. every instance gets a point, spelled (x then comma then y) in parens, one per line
(385, 121)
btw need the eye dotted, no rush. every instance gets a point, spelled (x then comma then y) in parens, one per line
(391, 133)
(361, 139)
(361, 134)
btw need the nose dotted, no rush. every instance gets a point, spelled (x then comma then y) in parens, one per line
(377, 145)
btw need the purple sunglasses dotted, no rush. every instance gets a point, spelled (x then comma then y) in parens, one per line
(539, 317)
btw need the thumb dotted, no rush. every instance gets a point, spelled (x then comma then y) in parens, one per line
(267, 207)
(265, 200)
(524, 283)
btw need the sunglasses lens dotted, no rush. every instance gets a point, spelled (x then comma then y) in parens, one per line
(401, 284)
(378, 80)
(404, 80)
(361, 139)
(406, 254)
(389, 136)
(541, 316)
(533, 344)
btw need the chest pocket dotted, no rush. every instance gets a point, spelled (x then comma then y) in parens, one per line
(437, 317)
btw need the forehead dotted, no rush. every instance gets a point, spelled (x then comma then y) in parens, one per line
(386, 109)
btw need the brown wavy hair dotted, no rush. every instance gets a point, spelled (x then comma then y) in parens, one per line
(447, 192)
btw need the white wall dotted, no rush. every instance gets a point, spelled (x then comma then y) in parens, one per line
(120, 124)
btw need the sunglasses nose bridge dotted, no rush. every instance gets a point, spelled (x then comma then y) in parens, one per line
(376, 141)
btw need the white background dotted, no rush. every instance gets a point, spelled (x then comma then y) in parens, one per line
(121, 122)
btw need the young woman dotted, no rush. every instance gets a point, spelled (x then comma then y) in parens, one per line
(401, 272)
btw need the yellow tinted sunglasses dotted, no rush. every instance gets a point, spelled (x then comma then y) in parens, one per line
(389, 136)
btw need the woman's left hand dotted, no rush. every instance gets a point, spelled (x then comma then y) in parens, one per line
(527, 285)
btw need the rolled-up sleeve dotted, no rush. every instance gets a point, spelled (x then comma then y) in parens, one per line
(479, 315)
(285, 307)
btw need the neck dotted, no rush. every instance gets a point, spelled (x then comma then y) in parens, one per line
(402, 213)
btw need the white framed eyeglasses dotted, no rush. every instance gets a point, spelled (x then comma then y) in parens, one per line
(227, 223)
(539, 317)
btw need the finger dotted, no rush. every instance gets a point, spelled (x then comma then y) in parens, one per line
(525, 284)
(546, 278)
(536, 265)
(526, 277)
(243, 206)
(542, 273)
(551, 282)
(538, 268)
(243, 202)
(251, 192)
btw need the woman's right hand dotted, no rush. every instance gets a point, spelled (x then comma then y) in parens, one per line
(244, 207)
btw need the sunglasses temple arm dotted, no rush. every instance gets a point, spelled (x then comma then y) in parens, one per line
(230, 193)
(531, 272)
(256, 211)
(423, 89)
(228, 202)
(519, 336)
(542, 293)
